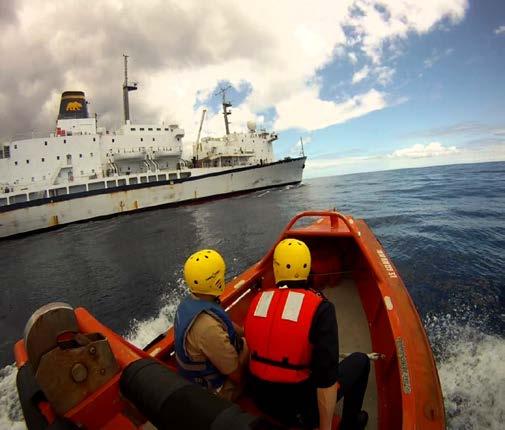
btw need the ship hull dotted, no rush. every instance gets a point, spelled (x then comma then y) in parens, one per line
(62, 210)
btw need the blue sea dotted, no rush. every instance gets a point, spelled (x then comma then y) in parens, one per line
(444, 228)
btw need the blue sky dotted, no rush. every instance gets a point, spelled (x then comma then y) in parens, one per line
(449, 88)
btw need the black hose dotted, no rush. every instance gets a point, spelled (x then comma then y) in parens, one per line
(172, 403)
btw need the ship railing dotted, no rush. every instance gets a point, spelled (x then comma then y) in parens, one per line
(10, 196)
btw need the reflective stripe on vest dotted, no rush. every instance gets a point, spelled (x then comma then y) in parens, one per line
(201, 372)
(277, 330)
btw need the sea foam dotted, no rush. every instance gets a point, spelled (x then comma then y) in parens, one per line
(470, 365)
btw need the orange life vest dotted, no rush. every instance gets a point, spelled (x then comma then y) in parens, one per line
(277, 330)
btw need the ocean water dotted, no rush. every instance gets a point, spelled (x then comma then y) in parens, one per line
(444, 228)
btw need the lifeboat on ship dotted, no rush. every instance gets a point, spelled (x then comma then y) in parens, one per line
(74, 372)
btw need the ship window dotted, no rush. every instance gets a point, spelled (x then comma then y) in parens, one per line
(64, 140)
(150, 129)
(185, 175)
(111, 184)
(27, 161)
(15, 147)
(43, 159)
(152, 178)
(33, 179)
(57, 157)
(60, 191)
(141, 139)
(154, 139)
(133, 181)
(121, 182)
(143, 179)
(77, 189)
(37, 195)
(158, 129)
(92, 170)
(45, 142)
(94, 140)
(112, 140)
(96, 186)
(172, 176)
(80, 155)
(141, 128)
(91, 154)
(15, 163)
(20, 198)
(3, 201)
(133, 129)
(166, 129)
(162, 177)
(82, 172)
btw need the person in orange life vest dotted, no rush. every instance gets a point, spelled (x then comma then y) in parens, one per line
(209, 347)
(292, 335)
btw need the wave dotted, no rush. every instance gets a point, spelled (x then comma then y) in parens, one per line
(11, 415)
(263, 194)
(141, 333)
(471, 371)
(469, 364)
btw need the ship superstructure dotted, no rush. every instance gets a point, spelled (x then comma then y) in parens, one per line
(234, 149)
(80, 160)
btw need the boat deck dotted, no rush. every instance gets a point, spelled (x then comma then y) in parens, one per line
(354, 335)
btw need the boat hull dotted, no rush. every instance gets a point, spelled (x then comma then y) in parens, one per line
(61, 210)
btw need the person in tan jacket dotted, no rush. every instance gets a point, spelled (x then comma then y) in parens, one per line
(209, 348)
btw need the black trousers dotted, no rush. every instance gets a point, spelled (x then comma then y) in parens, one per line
(296, 404)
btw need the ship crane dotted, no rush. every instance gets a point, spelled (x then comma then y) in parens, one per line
(226, 105)
(126, 89)
(198, 144)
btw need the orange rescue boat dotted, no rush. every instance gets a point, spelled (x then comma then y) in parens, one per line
(76, 373)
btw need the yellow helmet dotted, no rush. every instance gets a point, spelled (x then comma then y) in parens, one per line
(204, 272)
(291, 261)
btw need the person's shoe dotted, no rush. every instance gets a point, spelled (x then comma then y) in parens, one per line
(359, 423)
(361, 420)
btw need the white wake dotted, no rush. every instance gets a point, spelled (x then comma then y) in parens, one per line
(470, 364)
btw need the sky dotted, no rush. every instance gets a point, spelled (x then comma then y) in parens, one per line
(368, 85)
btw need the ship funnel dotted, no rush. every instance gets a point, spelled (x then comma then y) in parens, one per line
(73, 105)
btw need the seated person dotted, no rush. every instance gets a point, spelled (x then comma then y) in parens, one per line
(209, 348)
(292, 334)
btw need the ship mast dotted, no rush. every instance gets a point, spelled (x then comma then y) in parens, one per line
(226, 105)
(127, 88)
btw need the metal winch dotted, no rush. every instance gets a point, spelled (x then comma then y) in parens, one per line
(68, 365)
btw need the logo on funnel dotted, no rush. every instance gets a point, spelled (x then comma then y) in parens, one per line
(73, 106)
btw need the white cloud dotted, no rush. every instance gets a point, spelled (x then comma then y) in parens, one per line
(500, 29)
(433, 149)
(305, 110)
(344, 165)
(353, 58)
(378, 23)
(273, 47)
(384, 75)
(436, 56)
(360, 75)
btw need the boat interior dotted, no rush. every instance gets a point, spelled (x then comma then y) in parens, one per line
(342, 273)
(338, 272)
